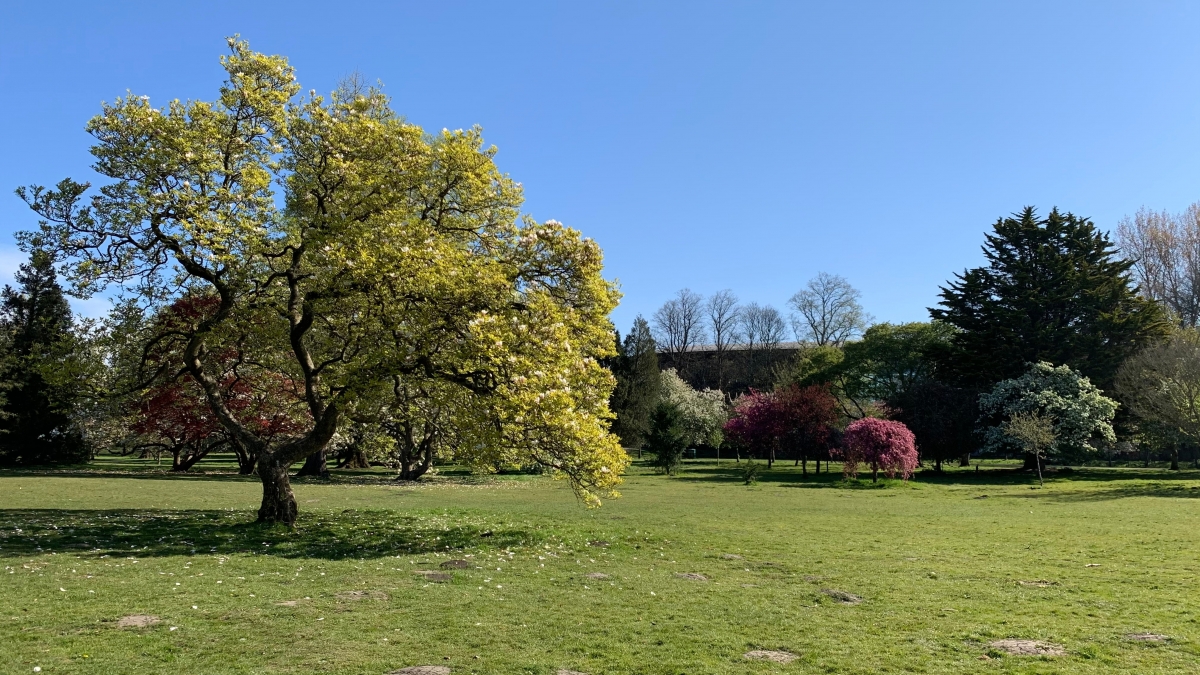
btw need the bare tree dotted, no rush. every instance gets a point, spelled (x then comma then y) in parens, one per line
(763, 329)
(1162, 384)
(1165, 250)
(827, 311)
(723, 315)
(679, 325)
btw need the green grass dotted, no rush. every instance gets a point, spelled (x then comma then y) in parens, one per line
(939, 571)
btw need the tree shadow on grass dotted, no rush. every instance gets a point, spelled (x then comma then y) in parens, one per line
(1148, 489)
(789, 476)
(326, 535)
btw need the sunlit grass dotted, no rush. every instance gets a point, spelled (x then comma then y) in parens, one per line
(1102, 554)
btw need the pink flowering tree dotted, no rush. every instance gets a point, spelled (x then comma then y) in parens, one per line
(883, 444)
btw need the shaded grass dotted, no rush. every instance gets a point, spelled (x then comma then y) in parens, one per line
(938, 568)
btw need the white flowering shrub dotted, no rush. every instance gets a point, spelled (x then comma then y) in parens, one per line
(703, 413)
(1081, 413)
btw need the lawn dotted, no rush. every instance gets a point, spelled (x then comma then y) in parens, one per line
(1096, 556)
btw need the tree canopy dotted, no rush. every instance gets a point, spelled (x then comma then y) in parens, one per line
(1053, 290)
(391, 252)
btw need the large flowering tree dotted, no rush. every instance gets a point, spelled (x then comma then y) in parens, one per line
(702, 414)
(390, 252)
(880, 444)
(1079, 411)
(793, 418)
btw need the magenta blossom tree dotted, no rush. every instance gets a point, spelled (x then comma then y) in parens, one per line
(883, 444)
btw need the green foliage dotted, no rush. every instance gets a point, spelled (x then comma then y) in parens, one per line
(750, 472)
(390, 253)
(1053, 290)
(702, 414)
(668, 438)
(636, 394)
(891, 358)
(1080, 412)
(38, 423)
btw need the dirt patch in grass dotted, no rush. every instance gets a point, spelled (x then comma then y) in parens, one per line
(456, 565)
(732, 556)
(842, 596)
(564, 671)
(422, 670)
(770, 655)
(597, 575)
(691, 576)
(1147, 637)
(137, 621)
(361, 595)
(1029, 648)
(288, 603)
(434, 576)
(1038, 583)
(598, 543)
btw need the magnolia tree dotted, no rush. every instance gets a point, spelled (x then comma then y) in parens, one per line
(1079, 411)
(702, 414)
(387, 251)
(881, 444)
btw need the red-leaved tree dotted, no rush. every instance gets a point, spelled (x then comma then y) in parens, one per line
(883, 444)
(795, 419)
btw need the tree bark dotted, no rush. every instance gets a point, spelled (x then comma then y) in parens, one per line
(278, 502)
(315, 465)
(874, 472)
(965, 460)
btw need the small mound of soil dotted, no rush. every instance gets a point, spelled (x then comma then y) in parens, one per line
(564, 671)
(842, 596)
(456, 565)
(691, 576)
(1040, 583)
(981, 497)
(1029, 648)
(731, 556)
(434, 576)
(422, 670)
(361, 595)
(137, 621)
(597, 575)
(772, 656)
(1147, 637)
(599, 543)
(288, 603)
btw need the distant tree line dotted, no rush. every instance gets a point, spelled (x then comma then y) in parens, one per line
(1059, 331)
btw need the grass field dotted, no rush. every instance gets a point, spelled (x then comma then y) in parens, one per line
(1103, 553)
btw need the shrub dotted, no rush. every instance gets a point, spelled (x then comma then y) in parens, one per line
(667, 438)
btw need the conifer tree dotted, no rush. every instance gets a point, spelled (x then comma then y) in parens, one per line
(35, 321)
(636, 395)
(1053, 290)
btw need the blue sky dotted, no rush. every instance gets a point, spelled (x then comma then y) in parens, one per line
(743, 145)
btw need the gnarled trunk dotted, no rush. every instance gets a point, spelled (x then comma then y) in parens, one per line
(278, 502)
(965, 460)
(315, 465)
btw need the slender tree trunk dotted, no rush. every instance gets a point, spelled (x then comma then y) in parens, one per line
(278, 502)
(804, 469)
(874, 472)
(1039, 468)
(315, 465)
(1175, 457)
(937, 463)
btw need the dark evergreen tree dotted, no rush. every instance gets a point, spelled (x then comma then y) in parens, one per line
(666, 439)
(36, 425)
(941, 416)
(637, 391)
(1053, 290)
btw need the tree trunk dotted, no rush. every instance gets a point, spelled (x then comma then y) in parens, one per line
(246, 459)
(1175, 458)
(804, 469)
(278, 502)
(965, 460)
(1039, 467)
(354, 457)
(874, 472)
(315, 465)
(937, 463)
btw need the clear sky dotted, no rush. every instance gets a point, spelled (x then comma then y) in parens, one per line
(742, 145)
